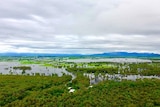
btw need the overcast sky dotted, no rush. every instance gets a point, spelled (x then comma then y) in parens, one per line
(79, 26)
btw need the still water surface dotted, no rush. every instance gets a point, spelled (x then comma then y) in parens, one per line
(117, 60)
(7, 68)
(94, 79)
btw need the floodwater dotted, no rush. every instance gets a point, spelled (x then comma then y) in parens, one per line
(94, 79)
(7, 68)
(117, 60)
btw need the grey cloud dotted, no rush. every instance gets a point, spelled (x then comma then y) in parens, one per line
(105, 43)
(79, 26)
(81, 17)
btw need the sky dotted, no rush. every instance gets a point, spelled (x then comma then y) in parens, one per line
(79, 26)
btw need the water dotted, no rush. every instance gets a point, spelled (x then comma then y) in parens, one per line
(7, 68)
(94, 79)
(117, 60)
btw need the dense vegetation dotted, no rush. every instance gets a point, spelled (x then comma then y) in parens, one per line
(16, 89)
(24, 91)
(112, 94)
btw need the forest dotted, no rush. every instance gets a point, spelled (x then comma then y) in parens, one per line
(24, 91)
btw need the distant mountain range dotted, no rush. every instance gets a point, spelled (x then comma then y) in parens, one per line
(127, 54)
(109, 54)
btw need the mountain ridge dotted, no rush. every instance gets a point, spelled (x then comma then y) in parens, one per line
(106, 54)
(128, 54)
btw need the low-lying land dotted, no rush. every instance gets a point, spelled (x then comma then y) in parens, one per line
(75, 86)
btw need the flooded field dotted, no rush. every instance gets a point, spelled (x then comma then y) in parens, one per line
(111, 70)
(94, 79)
(118, 69)
(8, 68)
(117, 60)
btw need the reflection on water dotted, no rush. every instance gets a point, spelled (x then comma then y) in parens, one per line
(94, 79)
(8, 68)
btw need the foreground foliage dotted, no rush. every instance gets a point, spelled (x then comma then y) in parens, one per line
(24, 91)
(16, 88)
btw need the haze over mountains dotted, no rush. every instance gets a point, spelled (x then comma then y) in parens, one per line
(108, 54)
